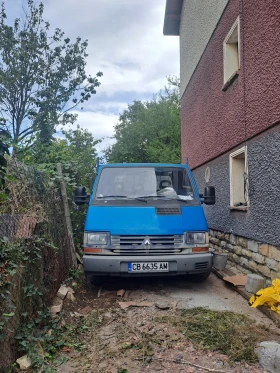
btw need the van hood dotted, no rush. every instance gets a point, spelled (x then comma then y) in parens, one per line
(143, 220)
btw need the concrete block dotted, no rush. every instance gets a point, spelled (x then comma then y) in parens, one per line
(62, 292)
(254, 283)
(269, 356)
(57, 306)
(71, 296)
(24, 362)
(253, 246)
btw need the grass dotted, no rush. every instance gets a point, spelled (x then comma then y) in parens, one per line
(232, 334)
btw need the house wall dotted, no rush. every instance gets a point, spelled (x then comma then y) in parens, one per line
(251, 238)
(198, 21)
(251, 104)
(261, 221)
(218, 120)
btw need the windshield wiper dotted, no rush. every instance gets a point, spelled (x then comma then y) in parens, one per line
(145, 197)
(165, 198)
(111, 196)
(180, 199)
(142, 199)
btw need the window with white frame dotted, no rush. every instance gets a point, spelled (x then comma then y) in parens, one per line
(232, 52)
(239, 186)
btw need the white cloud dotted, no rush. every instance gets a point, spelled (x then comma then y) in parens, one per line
(107, 106)
(126, 43)
(100, 124)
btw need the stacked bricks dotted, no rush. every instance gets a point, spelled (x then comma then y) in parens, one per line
(246, 255)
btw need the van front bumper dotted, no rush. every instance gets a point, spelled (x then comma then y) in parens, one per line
(118, 265)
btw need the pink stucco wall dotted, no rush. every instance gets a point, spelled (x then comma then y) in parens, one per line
(214, 121)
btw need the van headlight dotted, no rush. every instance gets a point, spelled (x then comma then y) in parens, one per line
(194, 238)
(96, 238)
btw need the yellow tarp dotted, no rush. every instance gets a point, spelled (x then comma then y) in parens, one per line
(269, 297)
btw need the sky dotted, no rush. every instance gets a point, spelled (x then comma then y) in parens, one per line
(126, 43)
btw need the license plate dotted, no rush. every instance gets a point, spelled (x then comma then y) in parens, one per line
(148, 267)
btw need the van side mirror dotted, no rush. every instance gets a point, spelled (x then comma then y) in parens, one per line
(209, 196)
(80, 196)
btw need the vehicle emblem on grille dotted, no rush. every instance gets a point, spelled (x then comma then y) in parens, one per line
(147, 244)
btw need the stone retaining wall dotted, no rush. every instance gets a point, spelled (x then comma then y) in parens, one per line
(246, 255)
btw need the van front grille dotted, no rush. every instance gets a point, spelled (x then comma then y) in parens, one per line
(143, 251)
(147, 245)
(140, 240)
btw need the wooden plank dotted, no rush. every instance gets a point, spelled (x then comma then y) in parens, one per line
(67, 216)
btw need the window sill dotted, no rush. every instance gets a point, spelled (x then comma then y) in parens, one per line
(230, 80)
(239, 208)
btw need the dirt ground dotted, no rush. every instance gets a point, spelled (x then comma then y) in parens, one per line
(140, 338)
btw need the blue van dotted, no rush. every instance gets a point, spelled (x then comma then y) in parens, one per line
(145, 220)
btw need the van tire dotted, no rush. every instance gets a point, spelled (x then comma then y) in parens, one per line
(199, 277)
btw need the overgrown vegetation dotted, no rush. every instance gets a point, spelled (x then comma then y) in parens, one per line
(43, 338)
(38, 334)
(230, 333)
(149, 131)
(77, 155)
(17, 258)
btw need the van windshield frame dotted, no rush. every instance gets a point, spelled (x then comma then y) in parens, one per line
(153, 185)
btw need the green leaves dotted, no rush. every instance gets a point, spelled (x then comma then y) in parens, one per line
(149, 131)
(8, 314)
(76, 152)
(42, 76)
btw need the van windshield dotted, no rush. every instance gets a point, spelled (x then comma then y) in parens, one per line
(145, 182)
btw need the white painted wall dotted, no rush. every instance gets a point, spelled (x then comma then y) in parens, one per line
(198, 21)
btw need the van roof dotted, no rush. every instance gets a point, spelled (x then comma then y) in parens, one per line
(142, 165)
